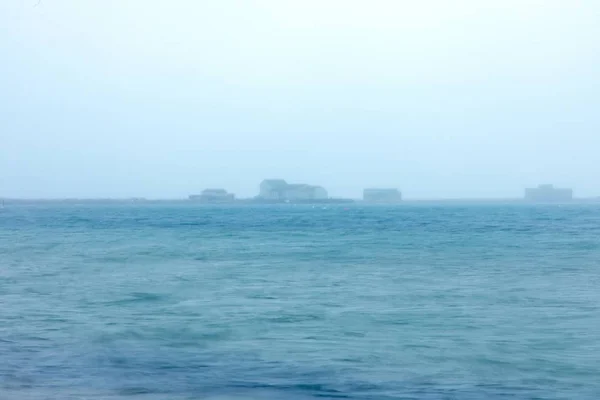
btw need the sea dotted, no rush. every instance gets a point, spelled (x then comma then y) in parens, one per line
(174, 301)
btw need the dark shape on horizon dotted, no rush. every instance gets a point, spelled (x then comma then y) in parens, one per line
(280, 190)
(548, 194)
(214, 196)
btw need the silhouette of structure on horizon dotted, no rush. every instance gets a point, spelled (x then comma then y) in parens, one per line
(548, 194)
(280, 190)
(214, 196)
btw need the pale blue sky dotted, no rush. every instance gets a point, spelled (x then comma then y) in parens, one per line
(463, 98)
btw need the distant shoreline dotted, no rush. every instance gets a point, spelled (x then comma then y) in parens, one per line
(251, 202)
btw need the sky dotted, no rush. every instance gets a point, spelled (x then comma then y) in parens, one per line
(161, 99)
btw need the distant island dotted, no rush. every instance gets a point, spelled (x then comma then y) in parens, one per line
(275, 191)
(279, 191)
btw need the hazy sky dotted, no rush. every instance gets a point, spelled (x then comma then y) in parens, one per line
(461, 98)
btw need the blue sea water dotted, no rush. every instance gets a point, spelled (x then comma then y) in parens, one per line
(175, 301)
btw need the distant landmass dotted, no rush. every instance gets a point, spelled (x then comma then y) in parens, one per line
(279, 191)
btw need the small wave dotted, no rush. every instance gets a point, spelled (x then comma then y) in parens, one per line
(262, 297)
(298, 390)
(291, 319)
(136, 391)
(139, 297)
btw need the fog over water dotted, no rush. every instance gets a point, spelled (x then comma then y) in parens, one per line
(445, 99)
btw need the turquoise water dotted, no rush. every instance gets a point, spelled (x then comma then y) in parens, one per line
(178, 301)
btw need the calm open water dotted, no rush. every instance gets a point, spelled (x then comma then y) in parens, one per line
(159, 301)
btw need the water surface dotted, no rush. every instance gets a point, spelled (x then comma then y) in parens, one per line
(173, 301)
